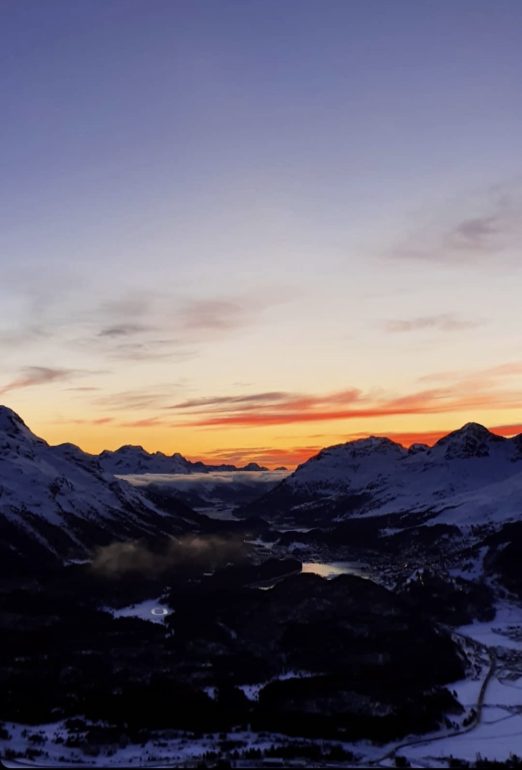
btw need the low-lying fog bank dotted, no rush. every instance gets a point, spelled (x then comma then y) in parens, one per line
(210, 491)
(184, 480)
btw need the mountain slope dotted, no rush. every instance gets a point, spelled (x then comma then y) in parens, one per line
(57, 502)
(469, 477)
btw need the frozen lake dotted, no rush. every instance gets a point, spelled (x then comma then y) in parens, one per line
(334, 568)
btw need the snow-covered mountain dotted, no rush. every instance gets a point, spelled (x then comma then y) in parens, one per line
(58, 502)
(132, 460)
(470, 476)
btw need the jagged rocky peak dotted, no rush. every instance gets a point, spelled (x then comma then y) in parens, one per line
(472, 440)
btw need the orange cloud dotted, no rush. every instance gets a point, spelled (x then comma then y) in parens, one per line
(83, 421)
(95, 421)
(220, 401)
(507, 430)
(274, 401)
(146, 422)
(305, 409)
(468, 395)
(263, 455)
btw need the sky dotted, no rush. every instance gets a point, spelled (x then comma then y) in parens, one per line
(247, 229)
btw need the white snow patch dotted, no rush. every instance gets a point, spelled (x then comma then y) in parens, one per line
(150, 609)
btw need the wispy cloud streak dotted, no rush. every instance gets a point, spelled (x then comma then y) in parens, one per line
(459, 395)
(490, 230)
(444, 323)
(37, 375)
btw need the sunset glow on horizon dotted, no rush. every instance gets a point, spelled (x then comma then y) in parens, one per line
(244, 231)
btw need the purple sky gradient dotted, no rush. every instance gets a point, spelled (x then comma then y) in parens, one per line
(210, 199)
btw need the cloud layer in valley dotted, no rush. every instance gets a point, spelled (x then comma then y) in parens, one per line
(193, 552)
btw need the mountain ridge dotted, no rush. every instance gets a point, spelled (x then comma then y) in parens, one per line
(130, 459)
(58, 502)
(376, 475)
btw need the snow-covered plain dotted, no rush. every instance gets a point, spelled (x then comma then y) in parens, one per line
(168, 749)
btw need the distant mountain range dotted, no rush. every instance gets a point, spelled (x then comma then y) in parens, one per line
(469, 477)
(130, 459)
(133, 460)
(58, 502)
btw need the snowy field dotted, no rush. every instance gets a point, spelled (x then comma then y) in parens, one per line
(150, 609)
(165, 749)
(498, 734)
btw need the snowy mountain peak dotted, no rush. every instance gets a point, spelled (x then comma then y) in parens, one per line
(379, 443)
(473, 429)
(472, 440)
(15, 436)
(469, 476)
(128, 449)
(130, 459)
(12, 424)
(341, 464)
(362, 447)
